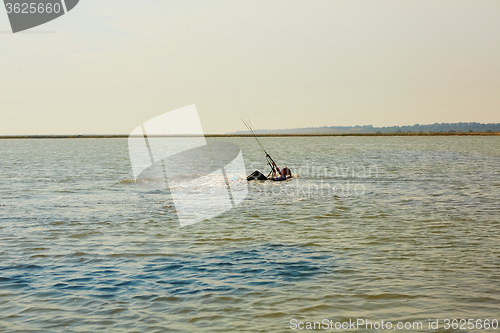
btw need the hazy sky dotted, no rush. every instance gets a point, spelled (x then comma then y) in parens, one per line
(108, 66)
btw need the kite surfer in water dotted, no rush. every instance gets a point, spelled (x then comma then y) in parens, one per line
(276, 174)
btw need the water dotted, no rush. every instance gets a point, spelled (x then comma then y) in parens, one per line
(380, 228)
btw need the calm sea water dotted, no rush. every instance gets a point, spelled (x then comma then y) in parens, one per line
(381, 228)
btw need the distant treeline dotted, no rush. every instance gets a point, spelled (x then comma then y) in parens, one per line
(369, 130)
(443, 127)
(417, 128)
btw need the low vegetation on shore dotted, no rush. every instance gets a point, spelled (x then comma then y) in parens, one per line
(122, 136)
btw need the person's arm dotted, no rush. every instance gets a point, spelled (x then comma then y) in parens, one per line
(277, 169)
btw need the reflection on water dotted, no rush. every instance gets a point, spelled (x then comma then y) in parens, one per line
(83, 248)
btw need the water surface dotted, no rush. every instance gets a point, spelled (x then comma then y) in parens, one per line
(382, 228)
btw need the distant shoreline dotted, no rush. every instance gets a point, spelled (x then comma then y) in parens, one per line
(122, 136)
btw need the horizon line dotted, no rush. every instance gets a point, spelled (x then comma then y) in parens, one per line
(125, 136)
